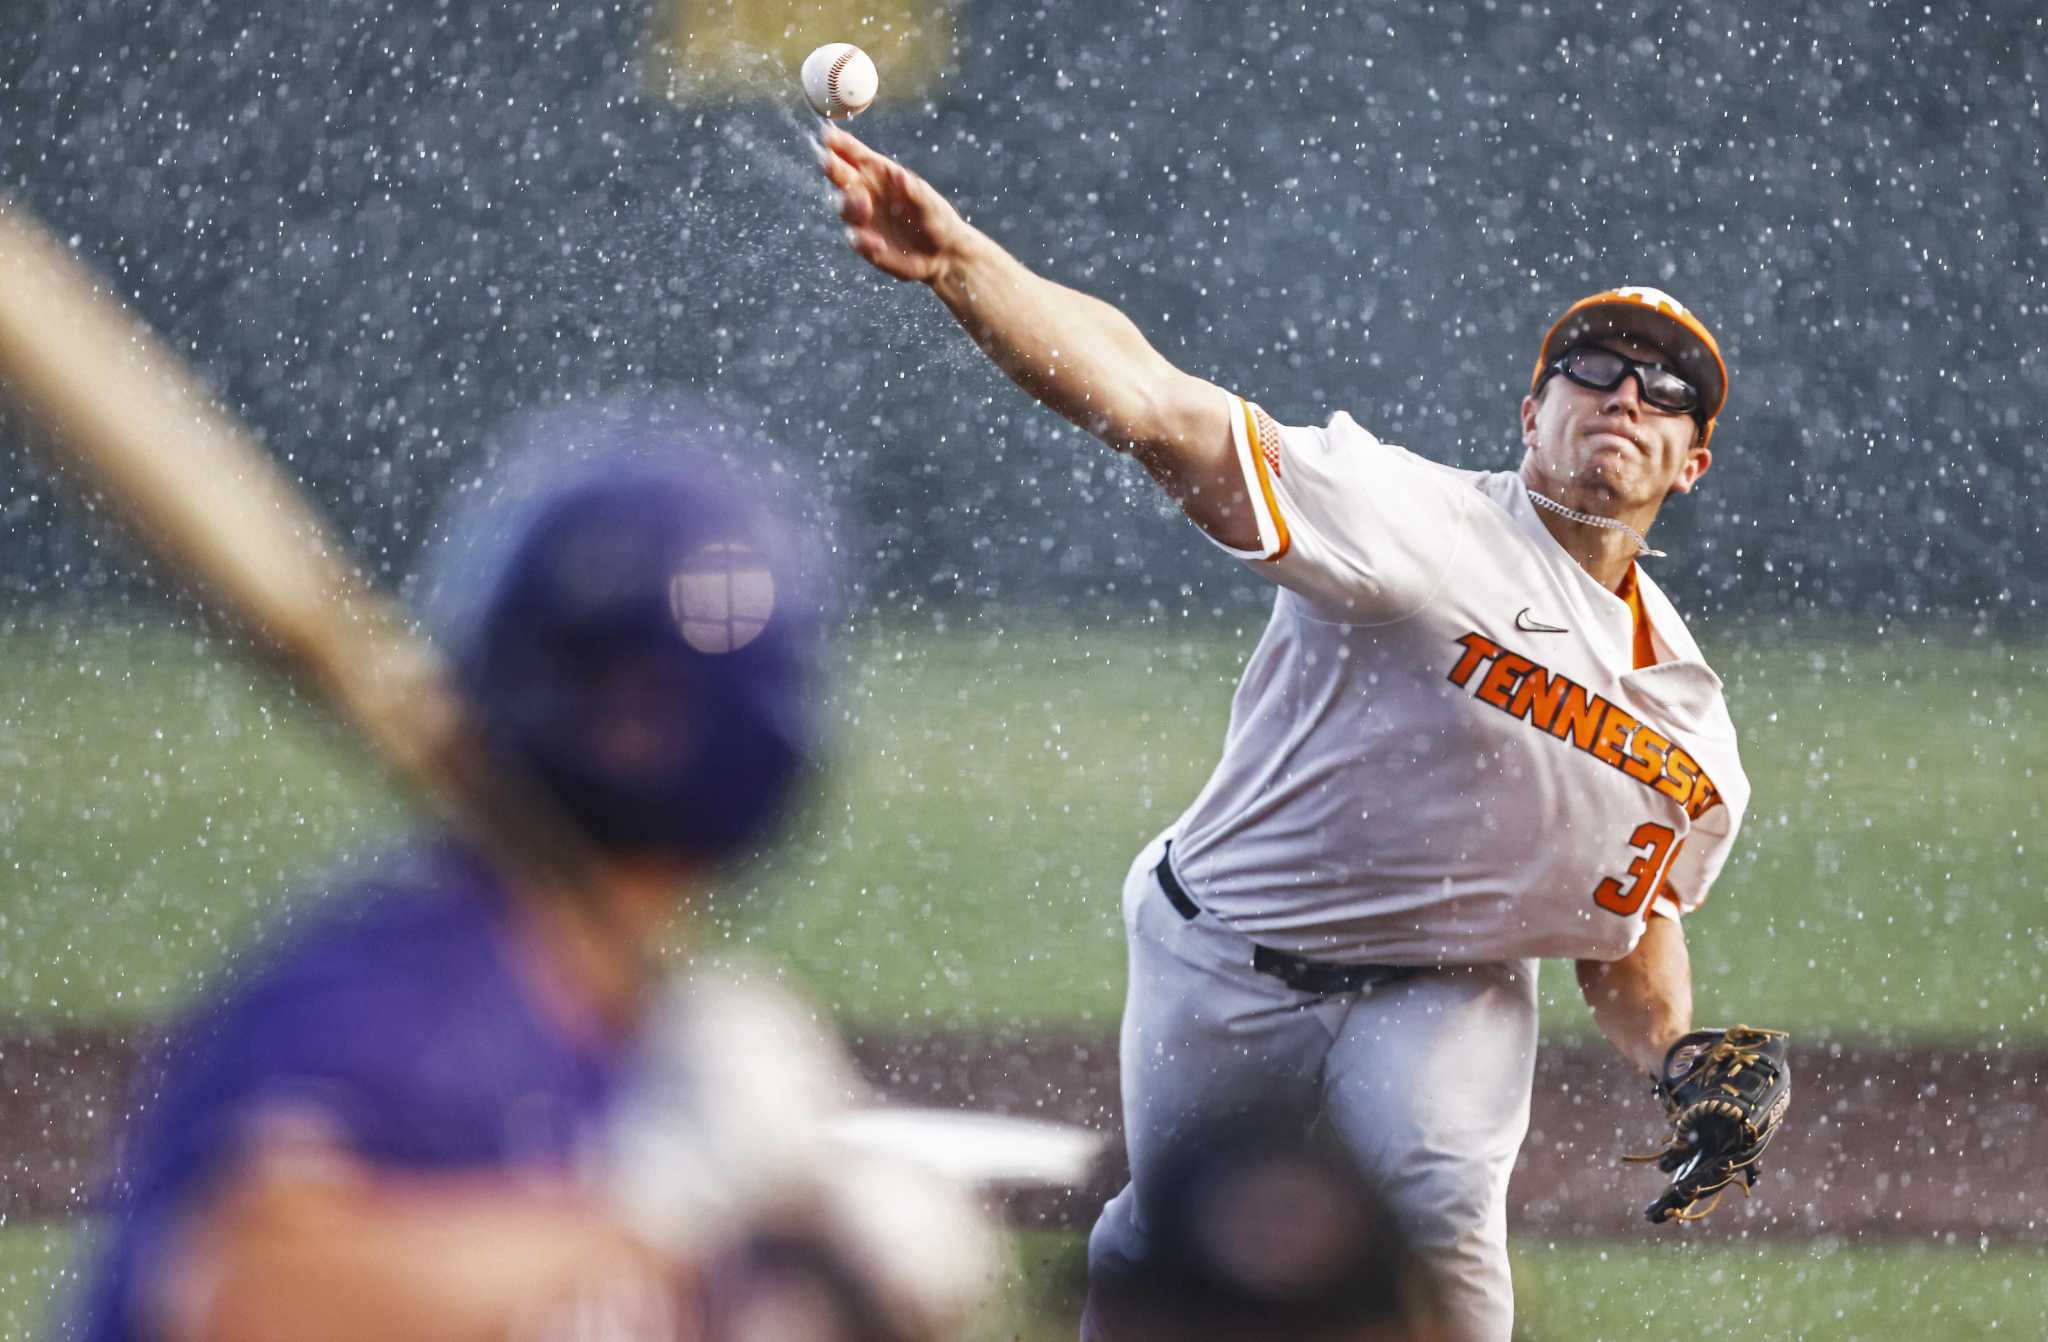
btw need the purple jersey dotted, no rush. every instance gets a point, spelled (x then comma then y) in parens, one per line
(396, 1016)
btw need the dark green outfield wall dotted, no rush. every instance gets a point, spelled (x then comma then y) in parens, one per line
(381, 225)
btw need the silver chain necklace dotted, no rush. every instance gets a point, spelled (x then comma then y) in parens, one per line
(1612, 524)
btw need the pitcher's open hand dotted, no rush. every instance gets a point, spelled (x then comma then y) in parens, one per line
(894, 219)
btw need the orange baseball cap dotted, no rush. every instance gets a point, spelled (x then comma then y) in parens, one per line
(1656, 318)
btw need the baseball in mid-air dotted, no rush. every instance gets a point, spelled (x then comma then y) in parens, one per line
(839, 80)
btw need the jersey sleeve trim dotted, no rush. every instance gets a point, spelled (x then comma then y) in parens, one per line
(1257, 440)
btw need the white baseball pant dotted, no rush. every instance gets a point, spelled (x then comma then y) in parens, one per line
(1426, 1080)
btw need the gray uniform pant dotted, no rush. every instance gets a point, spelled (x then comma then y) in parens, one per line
(1425, 1080)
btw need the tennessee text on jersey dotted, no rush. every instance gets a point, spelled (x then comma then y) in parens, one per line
(1523, 688)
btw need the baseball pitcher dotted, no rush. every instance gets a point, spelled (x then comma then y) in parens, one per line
(1474, 735)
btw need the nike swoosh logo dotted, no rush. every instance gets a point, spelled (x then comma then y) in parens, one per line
(1530, 625)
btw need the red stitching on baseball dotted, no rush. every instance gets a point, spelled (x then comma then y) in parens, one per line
(832, 76)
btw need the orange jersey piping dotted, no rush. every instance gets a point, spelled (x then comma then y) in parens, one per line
(1253, 460)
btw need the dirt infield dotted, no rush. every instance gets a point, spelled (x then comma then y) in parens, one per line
(1914, 1143)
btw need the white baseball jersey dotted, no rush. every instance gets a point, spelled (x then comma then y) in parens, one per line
(1441, 750)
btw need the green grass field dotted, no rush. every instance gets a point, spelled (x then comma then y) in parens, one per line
(991, 781)
(1579, 1291)
(36, 1272)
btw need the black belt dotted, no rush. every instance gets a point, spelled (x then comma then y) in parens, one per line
(1303, 975)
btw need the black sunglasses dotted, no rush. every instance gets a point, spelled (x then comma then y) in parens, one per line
(1601, 369)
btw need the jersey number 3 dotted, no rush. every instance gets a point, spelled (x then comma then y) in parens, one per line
(1655, 852)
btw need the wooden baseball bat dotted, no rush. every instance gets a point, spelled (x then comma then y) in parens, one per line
(127, 418)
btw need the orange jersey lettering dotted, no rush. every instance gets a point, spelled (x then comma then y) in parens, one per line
(1506, 669)
(1478, 648)
(1523, 688)
(1537, 697)
(1578, 717)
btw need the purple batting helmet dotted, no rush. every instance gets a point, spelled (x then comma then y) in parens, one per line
(643, 641)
